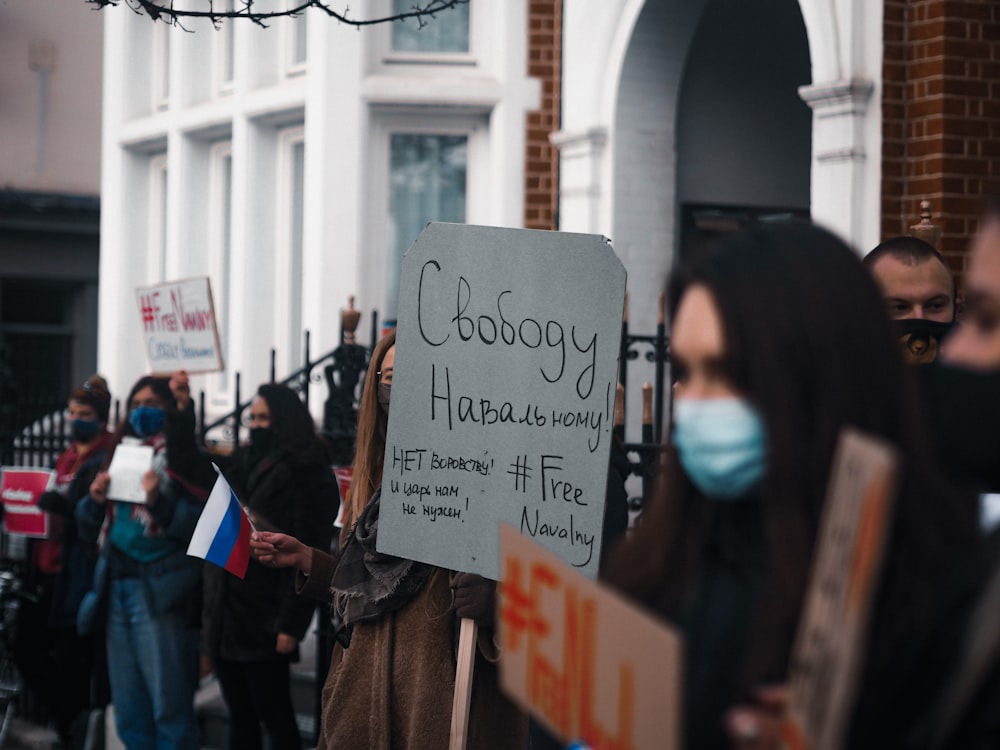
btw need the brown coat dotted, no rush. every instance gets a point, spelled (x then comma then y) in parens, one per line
(393, 688)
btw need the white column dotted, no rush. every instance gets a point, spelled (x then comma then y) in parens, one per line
(843, 190)
(581, 180)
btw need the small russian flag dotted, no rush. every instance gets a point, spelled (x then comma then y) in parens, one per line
(222, 536)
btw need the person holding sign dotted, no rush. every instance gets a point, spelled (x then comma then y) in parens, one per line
(152, 585)
(251, 627)
(54, 660)
(392, 674)
(779, 340)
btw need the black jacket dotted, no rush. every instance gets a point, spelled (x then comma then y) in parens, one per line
(296, 494)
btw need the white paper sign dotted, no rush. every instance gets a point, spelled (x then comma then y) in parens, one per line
(503, 395)
(128, 465)
(178, 326)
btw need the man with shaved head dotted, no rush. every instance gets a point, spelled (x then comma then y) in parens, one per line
(919, 293)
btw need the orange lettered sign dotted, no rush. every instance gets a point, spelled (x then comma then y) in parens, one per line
(829, 649)
(579, 658)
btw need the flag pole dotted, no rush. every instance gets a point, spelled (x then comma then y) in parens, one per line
(463, 684)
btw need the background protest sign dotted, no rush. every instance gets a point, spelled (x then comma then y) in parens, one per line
(503, 395)
(580, 659)
(20, 489)
(178, 326)
(829, 647)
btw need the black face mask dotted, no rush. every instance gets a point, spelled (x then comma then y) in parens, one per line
(921, 338)
(261, 440)
(963, 414)
(384, 392)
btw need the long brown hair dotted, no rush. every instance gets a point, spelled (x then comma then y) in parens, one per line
(370, 444)
(808, 342)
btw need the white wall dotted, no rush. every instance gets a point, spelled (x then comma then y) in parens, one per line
(50, 129)
(343, 103)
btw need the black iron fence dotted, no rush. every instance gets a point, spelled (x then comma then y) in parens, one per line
(41, 430)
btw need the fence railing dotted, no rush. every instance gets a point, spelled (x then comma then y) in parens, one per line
(45, 432)
(655, 350)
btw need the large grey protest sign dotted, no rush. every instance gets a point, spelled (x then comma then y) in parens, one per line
(503, 395)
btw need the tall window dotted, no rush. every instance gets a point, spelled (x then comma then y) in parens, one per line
(447, 32)
(157, 244)
(225, 39)
(161, 65)
(288, 259)
(221, 183)
(427, 182)
(299, 48)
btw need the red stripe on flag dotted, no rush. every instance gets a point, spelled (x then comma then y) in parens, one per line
(239, 558)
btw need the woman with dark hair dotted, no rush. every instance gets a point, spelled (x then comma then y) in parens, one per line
(779, 340)
(55, 661)
(151, 594)
(392, 675)
(252, 627)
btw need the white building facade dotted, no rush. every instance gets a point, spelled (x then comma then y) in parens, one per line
(293, 164)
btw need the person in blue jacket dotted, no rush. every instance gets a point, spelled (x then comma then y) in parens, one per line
(152, 584)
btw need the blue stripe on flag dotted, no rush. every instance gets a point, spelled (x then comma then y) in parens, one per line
(229, 531)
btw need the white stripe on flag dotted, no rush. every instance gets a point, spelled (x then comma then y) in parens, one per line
(211, 518)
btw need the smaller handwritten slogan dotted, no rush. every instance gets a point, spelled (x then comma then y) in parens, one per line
(503, 395)
(580, 659)
(178, 326)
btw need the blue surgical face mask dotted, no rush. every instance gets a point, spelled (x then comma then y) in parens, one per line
(722, 445)
(147, 420)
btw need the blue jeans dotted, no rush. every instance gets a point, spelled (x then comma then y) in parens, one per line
(153, 666)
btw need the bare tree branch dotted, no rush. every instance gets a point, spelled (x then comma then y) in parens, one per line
(166, 11)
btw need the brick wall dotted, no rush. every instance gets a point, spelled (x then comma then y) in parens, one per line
(941, 115)
(541, 172)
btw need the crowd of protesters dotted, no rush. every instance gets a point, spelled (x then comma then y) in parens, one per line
(781, 337)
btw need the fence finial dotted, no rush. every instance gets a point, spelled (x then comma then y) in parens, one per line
(349, 319)
(925, 230)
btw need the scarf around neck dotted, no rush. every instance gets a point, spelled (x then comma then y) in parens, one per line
(368, 583)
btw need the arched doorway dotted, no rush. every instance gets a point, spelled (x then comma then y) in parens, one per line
(708, 124)
(744, 135)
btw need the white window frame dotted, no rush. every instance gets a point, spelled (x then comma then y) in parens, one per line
(224, 48)
(221, 264)
(161, 65)
(156, 244)
(386, 122)
(288, 260)
(389, 57)
(293, 27)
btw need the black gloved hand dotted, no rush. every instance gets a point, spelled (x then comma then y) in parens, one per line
(475, 598)
(55, 502)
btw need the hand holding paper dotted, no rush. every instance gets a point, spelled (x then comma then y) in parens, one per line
(128, 470)
(99, 487)
(151, 486)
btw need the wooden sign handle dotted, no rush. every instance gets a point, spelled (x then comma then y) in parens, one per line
(463, 684)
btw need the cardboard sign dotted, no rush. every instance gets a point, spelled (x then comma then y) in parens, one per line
(503, 395)
(128, 465)
(829, 647)
(178, 326)
(20, 489)
(585, 663)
